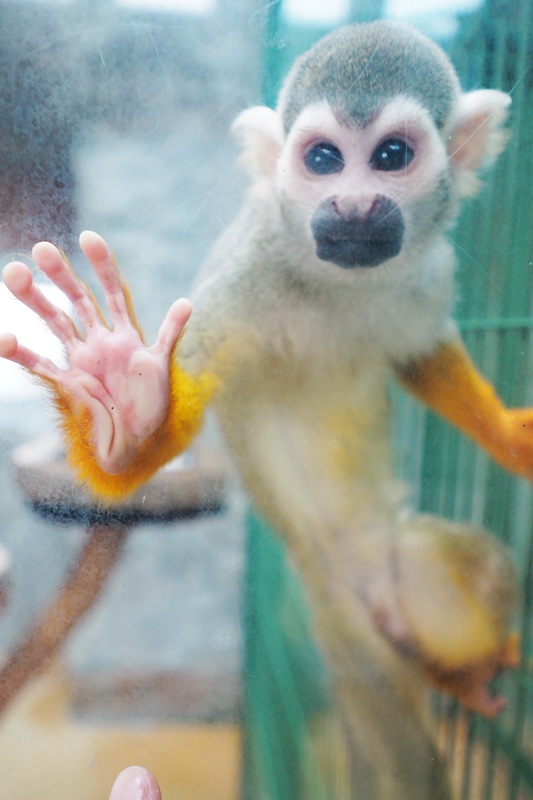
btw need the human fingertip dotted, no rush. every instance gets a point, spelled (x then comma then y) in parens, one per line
(135, 783)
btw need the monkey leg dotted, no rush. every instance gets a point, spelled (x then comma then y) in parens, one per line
(41, 643)
(379, 732)
(454, 598)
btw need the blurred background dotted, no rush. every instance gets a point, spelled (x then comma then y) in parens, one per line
(115, 116)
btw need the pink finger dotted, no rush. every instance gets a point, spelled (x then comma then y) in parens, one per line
(135, 783)
(39, 365)
(172, 326)
(19, 280)
(51, 262)
(8, 345)
(102, 261)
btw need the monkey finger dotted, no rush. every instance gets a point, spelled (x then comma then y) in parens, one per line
(19, 280)
(8, 345)
(135, 783)
(38, 365)
(104, 265)
(49, 259)
(172, 327)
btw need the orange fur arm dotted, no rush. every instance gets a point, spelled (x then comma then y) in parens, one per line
(188, 398)
(449, 383)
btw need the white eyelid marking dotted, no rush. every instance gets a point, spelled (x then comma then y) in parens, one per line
(316, 123)
(405, 118)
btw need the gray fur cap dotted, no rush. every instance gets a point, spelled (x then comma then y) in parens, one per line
(358, 68)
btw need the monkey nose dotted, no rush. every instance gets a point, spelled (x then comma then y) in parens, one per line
(354, 208)
(346, 207)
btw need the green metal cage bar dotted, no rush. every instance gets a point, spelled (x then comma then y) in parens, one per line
(284, 678)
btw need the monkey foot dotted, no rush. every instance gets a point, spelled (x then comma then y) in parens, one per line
(469, 684)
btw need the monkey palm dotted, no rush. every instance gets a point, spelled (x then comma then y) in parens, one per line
(336, 275)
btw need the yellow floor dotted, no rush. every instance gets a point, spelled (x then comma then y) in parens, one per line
(44, 754)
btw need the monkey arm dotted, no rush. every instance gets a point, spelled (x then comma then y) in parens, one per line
(449, 383)
(125, 408)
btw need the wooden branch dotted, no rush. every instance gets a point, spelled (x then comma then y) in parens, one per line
(47, 634)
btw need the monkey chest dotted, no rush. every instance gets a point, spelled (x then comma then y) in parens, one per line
(329, 418)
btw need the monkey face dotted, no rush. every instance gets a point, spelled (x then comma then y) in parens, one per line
(363, 193)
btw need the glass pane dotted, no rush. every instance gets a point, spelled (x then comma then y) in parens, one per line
(115, 117)
(173, 629)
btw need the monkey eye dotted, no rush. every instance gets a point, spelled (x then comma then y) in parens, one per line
(324, 158)
(392, 155)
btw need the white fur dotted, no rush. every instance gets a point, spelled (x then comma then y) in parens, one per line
(477, 135)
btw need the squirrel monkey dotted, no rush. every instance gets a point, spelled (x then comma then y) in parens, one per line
(336, 274)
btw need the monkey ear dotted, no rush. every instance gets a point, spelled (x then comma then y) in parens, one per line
(477, 136)
(260, 133)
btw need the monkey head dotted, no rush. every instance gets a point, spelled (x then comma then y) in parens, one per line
(372, 144)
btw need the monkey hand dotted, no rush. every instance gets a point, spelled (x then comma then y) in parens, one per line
(469, 684)
(450, 607)
(115, 396)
